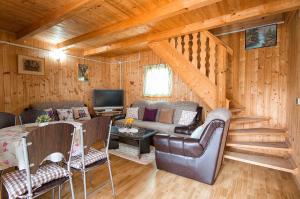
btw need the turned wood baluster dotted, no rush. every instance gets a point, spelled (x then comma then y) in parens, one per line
(179, 44)
(212, 60)
(172, 42)
(203, 39)
(190, 47)
(186, 46)
(198, 50)
(182, 44)
(195, 50)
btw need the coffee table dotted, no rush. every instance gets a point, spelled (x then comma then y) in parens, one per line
(141, 139)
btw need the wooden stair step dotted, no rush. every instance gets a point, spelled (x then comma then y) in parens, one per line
(277, 163)
(248, 119)
(257, 131)
(279, 146)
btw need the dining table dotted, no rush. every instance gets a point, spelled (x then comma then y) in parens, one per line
(11, 151)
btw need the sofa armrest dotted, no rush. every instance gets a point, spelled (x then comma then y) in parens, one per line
(118, 117)
(178, 145)
(186, 130)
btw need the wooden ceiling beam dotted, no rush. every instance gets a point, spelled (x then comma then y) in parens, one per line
(173, 8)
(262, 10)
(51, 19)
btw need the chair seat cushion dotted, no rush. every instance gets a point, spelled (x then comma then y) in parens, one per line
(15, 182)
(93, 156)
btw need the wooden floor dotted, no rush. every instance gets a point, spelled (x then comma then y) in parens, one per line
(236, 180)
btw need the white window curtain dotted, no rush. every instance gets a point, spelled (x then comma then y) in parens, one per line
(158, 81)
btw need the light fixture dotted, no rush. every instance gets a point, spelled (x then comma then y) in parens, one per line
(57, 54)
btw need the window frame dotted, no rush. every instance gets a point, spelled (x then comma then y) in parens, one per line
(148, 67)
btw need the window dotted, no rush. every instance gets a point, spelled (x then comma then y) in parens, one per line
(158, 81)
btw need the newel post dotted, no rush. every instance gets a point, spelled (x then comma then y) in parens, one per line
(221, 76)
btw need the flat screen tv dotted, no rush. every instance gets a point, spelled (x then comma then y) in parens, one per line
(108, 99)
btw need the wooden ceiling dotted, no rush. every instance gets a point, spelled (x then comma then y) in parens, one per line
(65, 21)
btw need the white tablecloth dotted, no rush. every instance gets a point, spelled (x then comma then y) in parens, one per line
(11, 151)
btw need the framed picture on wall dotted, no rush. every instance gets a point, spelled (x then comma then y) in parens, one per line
(31, 65)
(264, 36)
(83, 72)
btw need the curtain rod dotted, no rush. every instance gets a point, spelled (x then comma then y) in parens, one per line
(73, 56)
(243, 29)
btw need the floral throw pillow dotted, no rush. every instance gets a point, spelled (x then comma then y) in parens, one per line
(65, 114)
(52, 114)
(133, 112)
(187, 117)
(81, 113)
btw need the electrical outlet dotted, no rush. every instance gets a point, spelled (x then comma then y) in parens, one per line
(298, 101)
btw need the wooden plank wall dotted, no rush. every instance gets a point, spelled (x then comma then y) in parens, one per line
(293, 110)
(257, 78)
(59, 82)
(133, 76)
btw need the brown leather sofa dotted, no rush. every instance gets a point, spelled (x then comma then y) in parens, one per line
(198, 159)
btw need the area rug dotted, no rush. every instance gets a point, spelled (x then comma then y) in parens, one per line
(131, 153)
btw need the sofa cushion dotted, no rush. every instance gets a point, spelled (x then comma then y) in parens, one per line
(132, 112)
(187, 117)
(52, 114)
(166, 116)
(141, 105)
(150, 114)
(180, 106)
(161, 127)
(81, 113)
(177, 106)
(65, 114)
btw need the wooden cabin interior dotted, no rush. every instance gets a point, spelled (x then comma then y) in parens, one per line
(239, 55)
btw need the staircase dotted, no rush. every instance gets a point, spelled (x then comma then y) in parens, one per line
(266, 147)
(200, 59)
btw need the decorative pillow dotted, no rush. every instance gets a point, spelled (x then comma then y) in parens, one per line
(166, 116)
(81, 113)
(187, 117)
(52, 114)
(132, 112)
(65, 114)
(150, 114)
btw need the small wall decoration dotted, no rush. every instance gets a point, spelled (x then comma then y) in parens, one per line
(31, 65)
(83, 72)
(265, 36)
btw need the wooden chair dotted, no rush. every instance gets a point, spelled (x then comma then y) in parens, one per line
(40, 144)
(7, 120)
(94, 130)
(30, 116)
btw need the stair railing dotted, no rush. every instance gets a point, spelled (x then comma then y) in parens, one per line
(209, 55)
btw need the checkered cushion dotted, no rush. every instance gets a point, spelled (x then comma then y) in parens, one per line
(15, 182)
(92, 157)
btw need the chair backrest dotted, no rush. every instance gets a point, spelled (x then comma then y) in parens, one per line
(95, 130)
(7, 119)
(44, 141)
(30, 116)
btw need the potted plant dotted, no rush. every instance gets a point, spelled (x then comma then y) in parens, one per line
(43, 120)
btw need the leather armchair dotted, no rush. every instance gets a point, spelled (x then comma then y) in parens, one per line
(198, 159)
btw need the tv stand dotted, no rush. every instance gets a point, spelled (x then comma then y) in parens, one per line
(108, 111)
